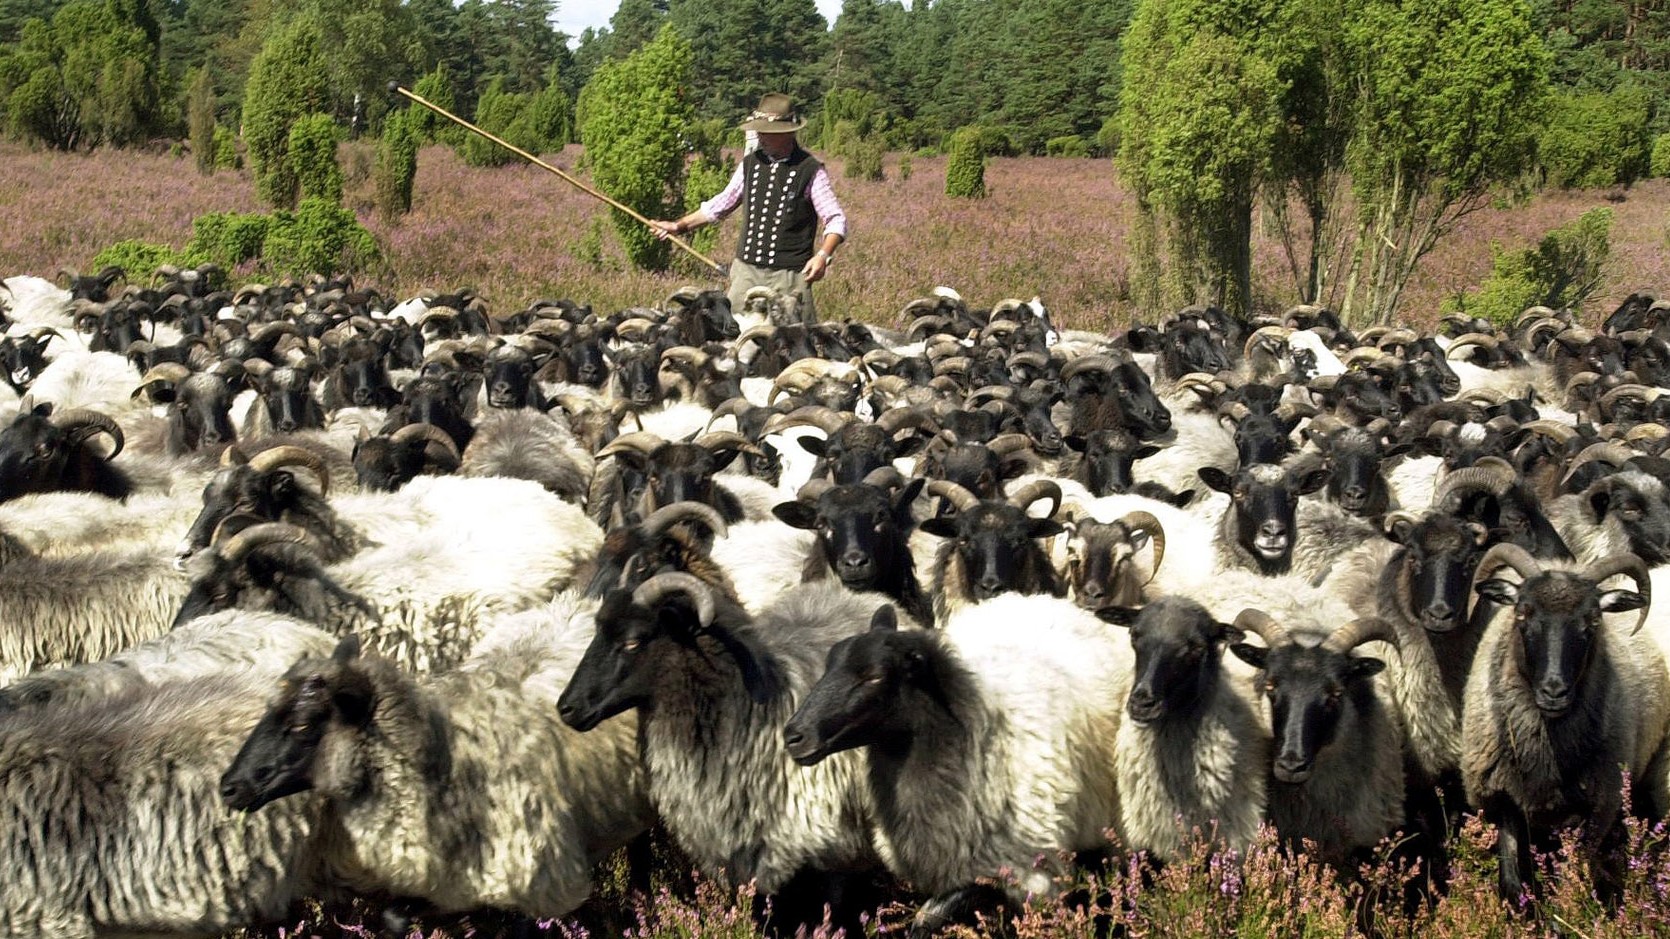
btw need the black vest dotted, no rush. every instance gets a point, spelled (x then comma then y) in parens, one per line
(779, 222)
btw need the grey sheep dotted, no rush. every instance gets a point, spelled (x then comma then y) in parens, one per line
(526, 444)
(462, 790)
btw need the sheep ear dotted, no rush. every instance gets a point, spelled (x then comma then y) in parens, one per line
(1074, 443)
(347, 650)
(1397, 449)
(1399, 531)
(1600, 499)
(1621, 601)
(1144, 452)
(1311, 481)
(1118, 615)
(816, 446)
(796, 515)
(940, 527)
(1497, 590)
(1043, 528)
(353, 697)
(884, 619)
(1256, 656)
(1216, 478)
(1182, 499)
(907, 495)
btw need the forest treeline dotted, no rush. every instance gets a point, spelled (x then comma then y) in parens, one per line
(1367, 128)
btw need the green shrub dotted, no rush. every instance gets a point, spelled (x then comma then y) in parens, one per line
(703, 180)
(1072, 145)
(227, 238)
(904, 168)
(200, 119)
(495, 111)
(1660, 167)
(138, 258)
(864, 159)
(436, 88)
(1563, 270)
(1595, 139)
(287, 81)
(997, 140)
(397, 154)
(226, 150)
(319, 237)
(312, 148)
(965, 169)
(1107, 138)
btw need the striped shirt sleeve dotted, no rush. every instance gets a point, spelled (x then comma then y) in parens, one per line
(827, 206)
(728, 198)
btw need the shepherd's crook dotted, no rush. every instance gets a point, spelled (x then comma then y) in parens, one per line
(396, 88)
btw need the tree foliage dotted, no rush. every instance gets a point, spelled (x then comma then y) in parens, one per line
(965, 166)
(631, 115)
(286, 82)
(86, 78)
(1595, 138)
(312, 152)
(396, 167)
(1563, 270)
(200, 118)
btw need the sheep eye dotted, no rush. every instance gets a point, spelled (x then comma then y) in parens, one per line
(1269, 687)
(630, 645)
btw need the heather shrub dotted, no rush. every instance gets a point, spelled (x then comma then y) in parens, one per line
(396, 167)
(1595, 139)
(965, 168)
(1660, 166)
(312, 148)
(319, 237)
(137, 257)
(1563, 270)
(1071, 145)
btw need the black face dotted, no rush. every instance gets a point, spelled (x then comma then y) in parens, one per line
(1309, 690)
(362, 378)
(290, 405)
(239, 490)
(856, 702)
(509, 377)
(277, 759)
(1263, 438)
(384, 465)
(1440, 555)
(1265, 506)
(860, 529)
(994, 543)
(1639, 504)
(616, 672)
(1100, 560)
(200, 414)
(1144, 415)
(1177, 655)
(33, 454)
(1556, 614)
(21, 359)
(639, 373)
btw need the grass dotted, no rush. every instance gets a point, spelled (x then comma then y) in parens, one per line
(1052, 227)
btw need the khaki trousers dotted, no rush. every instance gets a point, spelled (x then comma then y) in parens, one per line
(745, 277)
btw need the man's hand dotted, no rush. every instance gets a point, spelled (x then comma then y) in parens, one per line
(815, 268)
(663, 229)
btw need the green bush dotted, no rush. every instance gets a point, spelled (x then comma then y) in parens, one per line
(312, 147)
(1563, 270)
(704, 180)
(864, 159)
(997, 140)
(495, 112)
(319, 237)
(965, 169)
(1660, 167)
(1072, 145)
(138, 258)
(1595, 139)
(227, 238)
(436, 88)
(200, 119)
(397, 154)
(904, 167)
(1107, 138)
(287, 81)
(226, 150)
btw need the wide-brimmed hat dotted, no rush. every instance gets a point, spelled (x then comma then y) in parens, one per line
(775, 115)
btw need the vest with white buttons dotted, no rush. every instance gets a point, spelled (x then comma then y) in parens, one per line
(779, 221)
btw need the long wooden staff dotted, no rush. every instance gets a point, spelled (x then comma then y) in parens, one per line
(396, 88)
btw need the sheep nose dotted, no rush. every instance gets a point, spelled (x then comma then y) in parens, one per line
(1354, 492)
(1439, 610)
(1272, 528)
(990, 584)
(362, 397)
(1094, 591)
(855, 559)
(286, 425)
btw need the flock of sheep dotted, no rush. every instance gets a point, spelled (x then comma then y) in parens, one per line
(308, 593)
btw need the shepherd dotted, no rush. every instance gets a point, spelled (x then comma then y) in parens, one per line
(786, 194)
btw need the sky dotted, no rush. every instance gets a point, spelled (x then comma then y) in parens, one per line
(573, 16)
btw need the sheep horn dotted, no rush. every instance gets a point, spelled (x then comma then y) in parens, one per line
(1023, 497)
(813, 490)
(1263, 333)
(1084, 363)
(41, 331)
(640, 440)
(1262, 625)
(668, 515)
(1495, 478)
(650, 593)
(429, 433)
(1397, 337)
(268, 460)
(825, 419)
(903, 419)
(1547, 324)
(1146, 522)
(1361, 630)
(1611, 452)
(1538, 313)
(1562, 433)
(763, 331)
(235, 548)
(81, 423)
(885, 477)
(233, 455)
(1005, 444)
(953, 493)
(1505, 554)
(986, 393)
(1644, 432)
(171, 372)
(725, 440)
(1031, 359)
(1625, 563)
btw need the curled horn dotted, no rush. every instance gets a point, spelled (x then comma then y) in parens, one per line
(669, 515)
(171, 372)
(1037, 489)
(1642, 432)
(1490, 474)
(1085, 363)
(813, 490)
(1030, 359)
(651, 592)
(233, 455)
(1262, 334)
(640, 440)
(1636, 569)
(235, 548)
(41, 331)
(1146, 522)
(1555, 430)
(270, 331)
(1397, 337)
(1005, 444)
(1466, 341)
(81, 423)
(953, 493)
(725, 440)
(903, 419)
(268, 460)
(986, 393)
(1263, 625)
(1607, 451)
(885, 477)
(764, 331)
(429, 433)
(825, 419)
(1195, 381)
(1535, 314)
(731, 407)
(924, 326)
(1361, 630)
(1505, 554)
